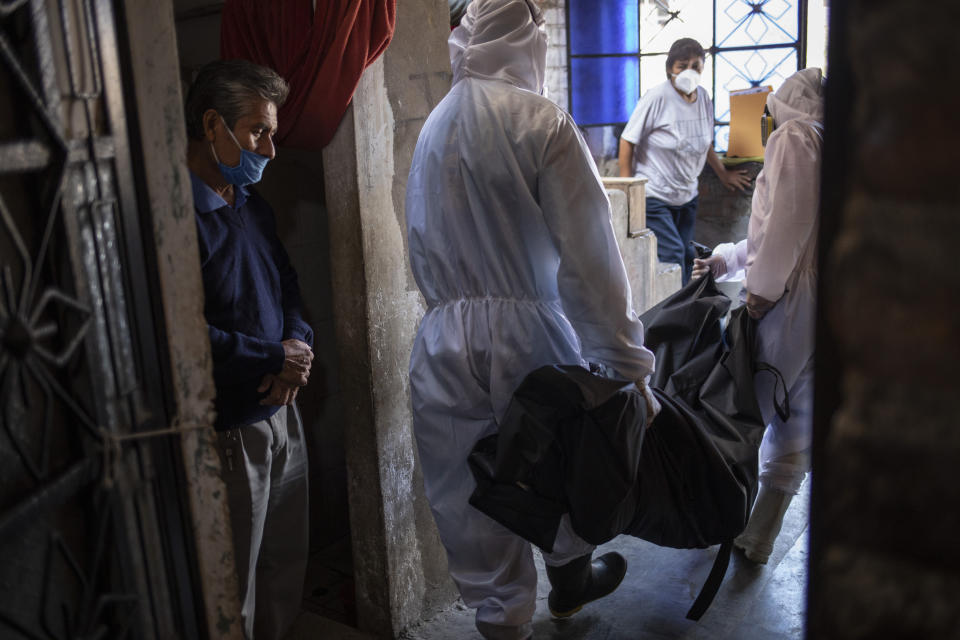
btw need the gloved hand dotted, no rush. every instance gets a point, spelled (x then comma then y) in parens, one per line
(653, 405)
(714, 263)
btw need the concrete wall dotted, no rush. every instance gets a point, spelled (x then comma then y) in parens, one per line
(400, 567)
(293, 185)
(723, 215)
(886, 502)
(198, 34)
(650, 280)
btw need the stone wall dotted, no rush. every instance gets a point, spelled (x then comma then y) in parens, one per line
(886, 503)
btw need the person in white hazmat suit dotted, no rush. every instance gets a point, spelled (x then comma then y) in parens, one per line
(779, 258)
(512, 245)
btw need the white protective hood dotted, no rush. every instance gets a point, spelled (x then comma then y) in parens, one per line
(782, 237)
(504, 204)
(501, 40)
(801, 96)
(780, 253)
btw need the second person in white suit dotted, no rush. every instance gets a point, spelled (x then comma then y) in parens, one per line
(779, 257)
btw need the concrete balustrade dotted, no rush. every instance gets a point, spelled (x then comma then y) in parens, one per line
(650, 280)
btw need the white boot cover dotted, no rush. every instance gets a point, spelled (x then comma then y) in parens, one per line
(757, 539)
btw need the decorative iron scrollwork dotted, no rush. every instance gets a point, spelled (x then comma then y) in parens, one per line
(66, 345)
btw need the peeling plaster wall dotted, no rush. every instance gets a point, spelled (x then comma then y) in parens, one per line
(416, 73)
(400, 567)
(159, 104)
(393, 312)
(349, 285)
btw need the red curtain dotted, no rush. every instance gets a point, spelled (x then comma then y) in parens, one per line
(321, 53)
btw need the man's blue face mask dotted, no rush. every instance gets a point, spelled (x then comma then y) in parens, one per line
(250, 168)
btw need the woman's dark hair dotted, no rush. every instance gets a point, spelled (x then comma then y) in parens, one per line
(684, 49)
(228, 86)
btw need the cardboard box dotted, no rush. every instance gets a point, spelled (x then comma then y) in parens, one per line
(746, 107)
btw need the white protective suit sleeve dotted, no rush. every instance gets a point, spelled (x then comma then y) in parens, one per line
(793, 178)
(734, 259)
(591, 278)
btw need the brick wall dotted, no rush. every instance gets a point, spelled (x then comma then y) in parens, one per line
(886, 503)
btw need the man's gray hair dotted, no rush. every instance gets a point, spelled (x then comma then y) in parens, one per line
(229, 86)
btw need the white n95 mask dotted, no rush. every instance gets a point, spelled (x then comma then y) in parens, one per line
(687, 81)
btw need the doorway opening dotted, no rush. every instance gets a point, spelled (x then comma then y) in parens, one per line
(293, 185)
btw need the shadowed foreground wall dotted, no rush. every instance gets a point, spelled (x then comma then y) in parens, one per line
(886, 501)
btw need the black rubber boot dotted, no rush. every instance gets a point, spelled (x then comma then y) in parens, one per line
(581, 581)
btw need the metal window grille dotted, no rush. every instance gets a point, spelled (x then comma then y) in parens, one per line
(617, 50)
(92, 535)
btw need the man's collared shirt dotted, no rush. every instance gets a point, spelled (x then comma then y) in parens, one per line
(252, 300)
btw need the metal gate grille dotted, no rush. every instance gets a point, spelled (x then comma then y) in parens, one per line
(90, 541)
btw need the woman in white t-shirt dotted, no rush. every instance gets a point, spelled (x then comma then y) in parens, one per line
(667, 140)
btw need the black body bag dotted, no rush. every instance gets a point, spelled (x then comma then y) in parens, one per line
(574, 442)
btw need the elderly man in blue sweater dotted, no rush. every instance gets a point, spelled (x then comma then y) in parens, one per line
(260, 342)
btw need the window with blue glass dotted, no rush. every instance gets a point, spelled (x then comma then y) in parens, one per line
(618, 48)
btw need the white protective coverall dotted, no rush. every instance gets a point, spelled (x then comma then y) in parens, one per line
(512, 245)
(780, 259)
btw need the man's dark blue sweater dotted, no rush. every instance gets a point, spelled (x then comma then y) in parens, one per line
(252, 299)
